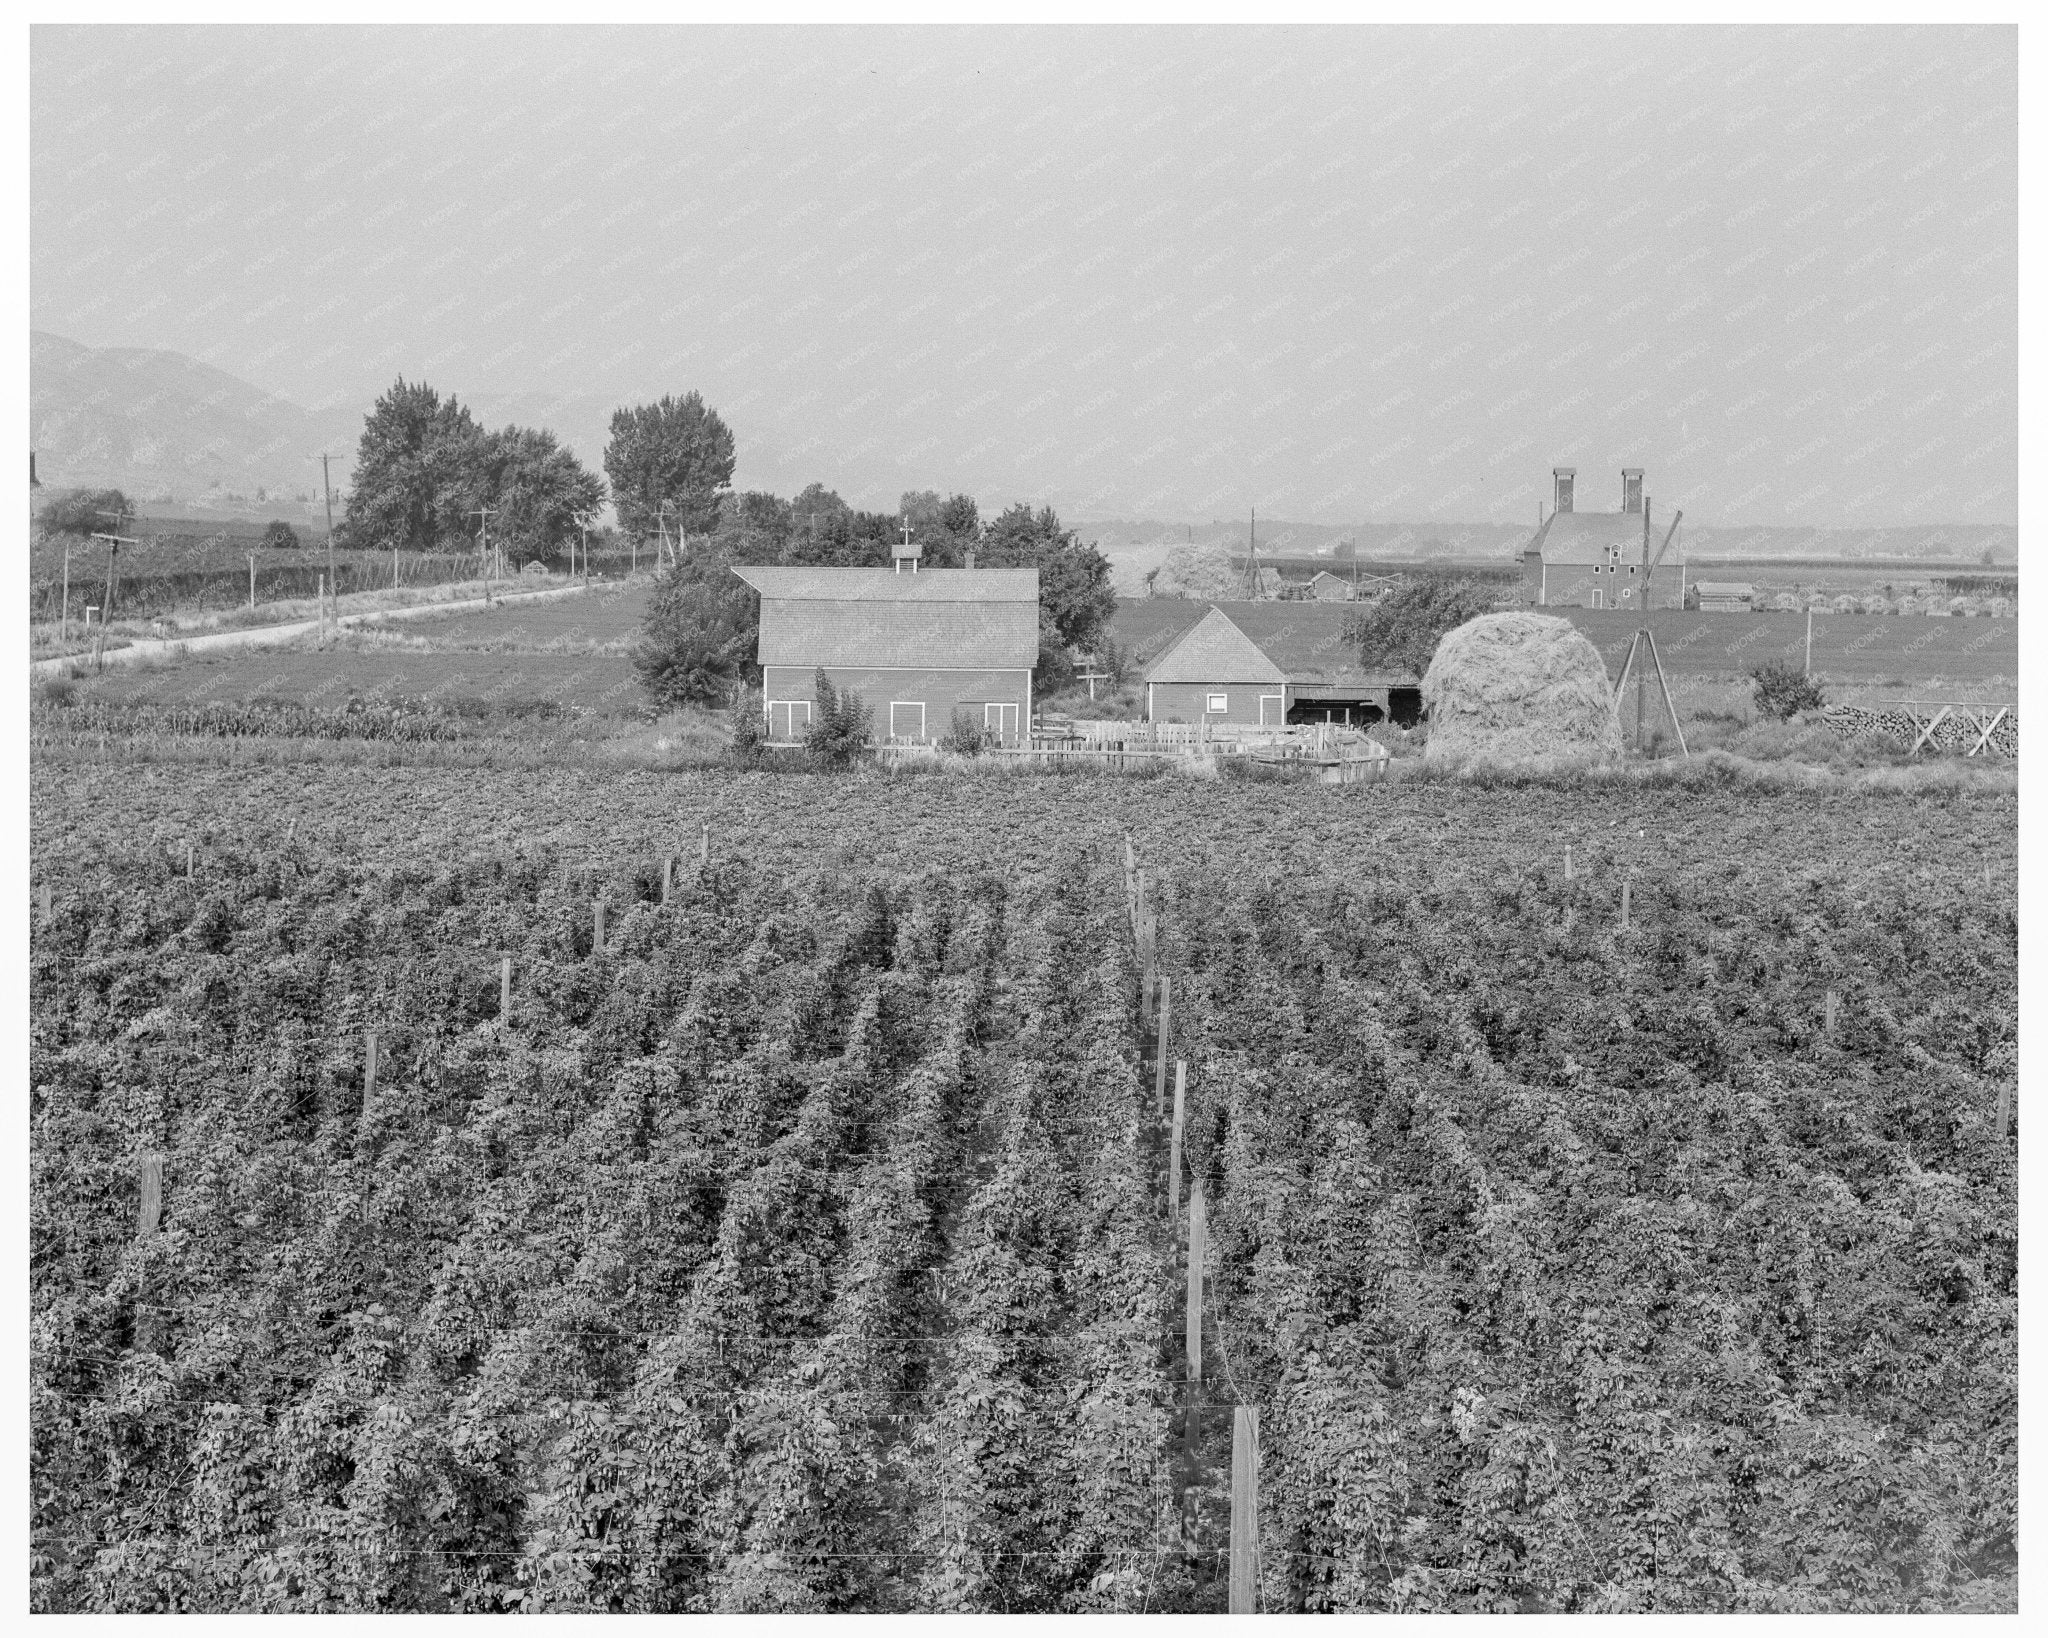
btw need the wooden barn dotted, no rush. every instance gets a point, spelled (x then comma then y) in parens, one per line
(917, 646)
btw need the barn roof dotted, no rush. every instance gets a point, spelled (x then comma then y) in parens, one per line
(944, 619)
(1214, 651)
(807, 584)
(1587, 537)
(1724, 588)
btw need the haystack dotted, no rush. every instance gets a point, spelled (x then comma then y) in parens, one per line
(1519, 688)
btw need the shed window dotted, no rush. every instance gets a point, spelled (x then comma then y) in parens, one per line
(906, 719)
(1219, 704)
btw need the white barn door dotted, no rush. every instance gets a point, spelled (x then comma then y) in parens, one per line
(906, 719)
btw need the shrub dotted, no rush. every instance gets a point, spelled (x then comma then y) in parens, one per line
(745, 730)
(1783, 690)
(280, 536)
(841, 724)
(698, 636)
(965, 736)
(84, 511)
(55, 689)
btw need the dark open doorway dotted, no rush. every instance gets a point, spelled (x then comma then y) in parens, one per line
(1345, 713)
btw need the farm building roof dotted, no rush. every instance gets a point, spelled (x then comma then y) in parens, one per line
(1213, 650)
(954, 619)
(1587, 537)
(1724, 588)
(814, 585)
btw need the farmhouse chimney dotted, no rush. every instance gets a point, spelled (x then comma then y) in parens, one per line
(1562, 477)
(1631, 489)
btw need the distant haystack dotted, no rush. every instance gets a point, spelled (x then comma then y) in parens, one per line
(1519, 688)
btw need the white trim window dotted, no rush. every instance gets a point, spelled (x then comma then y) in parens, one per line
(906, 720)
(1272, 710)
(1000, 720)
(784, 721)
(1219, 705)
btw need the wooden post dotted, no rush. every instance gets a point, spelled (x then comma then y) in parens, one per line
(2004, 1111)
(597, 928)
(1180, 1116)
(64, 608)
(668, 877)
(1809, 641)
(188, 859)
(252, 580)
(1670, 705)
(704, 847)
(505, 988)
(1624, 901)
(1832, 1006)
(1567, 861)
(1161, 1047)
(1244, 1512)
(1198, 1247)
(369, 1065)
(152, 1195)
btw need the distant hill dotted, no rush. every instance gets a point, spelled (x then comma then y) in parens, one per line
(168, 429)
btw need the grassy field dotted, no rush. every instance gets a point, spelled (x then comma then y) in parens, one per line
(1850, 650)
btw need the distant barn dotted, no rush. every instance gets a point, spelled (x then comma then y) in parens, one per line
(1721, 596)
(917, 646)
(1589, 560)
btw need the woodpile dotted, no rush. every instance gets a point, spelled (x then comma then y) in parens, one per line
(1956, 728)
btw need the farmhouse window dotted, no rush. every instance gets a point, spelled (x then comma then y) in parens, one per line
(1001, 720)
(788, 718)
(906, 719)
(1219, 705)
(1272, 710)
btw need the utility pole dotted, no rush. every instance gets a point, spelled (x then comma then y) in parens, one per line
(1642, 681)
(114, 544)
(482, 514)
(327, 500)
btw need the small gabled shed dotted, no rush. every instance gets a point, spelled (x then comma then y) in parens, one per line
(1216, 672)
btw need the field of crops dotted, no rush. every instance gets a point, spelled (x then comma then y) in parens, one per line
(806, 1246)
(331, 677)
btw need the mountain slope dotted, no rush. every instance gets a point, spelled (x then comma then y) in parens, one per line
(160, 424)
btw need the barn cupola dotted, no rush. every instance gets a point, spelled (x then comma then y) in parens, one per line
(1631, 489)
(1561, 477)
(905, 553)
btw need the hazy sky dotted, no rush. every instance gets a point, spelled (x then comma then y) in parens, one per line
(1336, 275)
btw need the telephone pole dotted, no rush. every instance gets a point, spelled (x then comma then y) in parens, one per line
(482, 514)
(114, 545)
